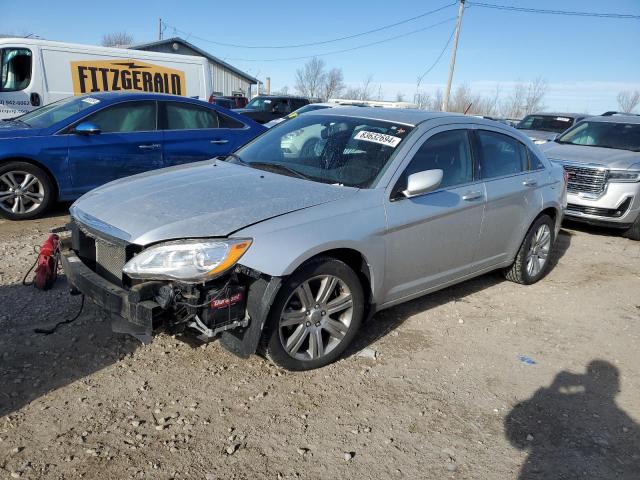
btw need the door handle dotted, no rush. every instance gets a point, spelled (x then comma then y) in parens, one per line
(34, 99)
(152, 146)
(529, 183)
(469, 196)
(219, 141)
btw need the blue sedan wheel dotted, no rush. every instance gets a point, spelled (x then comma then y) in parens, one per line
(25, 191)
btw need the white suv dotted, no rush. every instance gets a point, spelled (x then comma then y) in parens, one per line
(601, 156)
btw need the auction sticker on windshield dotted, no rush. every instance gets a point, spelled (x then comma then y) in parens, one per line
(380, 138)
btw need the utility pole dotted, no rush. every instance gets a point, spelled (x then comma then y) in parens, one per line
(452, 63)
(159, 29)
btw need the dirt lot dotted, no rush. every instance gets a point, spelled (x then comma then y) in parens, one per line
(452, 392)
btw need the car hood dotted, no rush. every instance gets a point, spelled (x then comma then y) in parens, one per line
(539, 134)
(11, 129)
(204, 199)
(607, 157)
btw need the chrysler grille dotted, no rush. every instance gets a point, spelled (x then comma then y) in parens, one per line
(110, 259)
(586, 179)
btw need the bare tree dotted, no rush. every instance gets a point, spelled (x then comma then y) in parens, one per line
(362, 92)
(628, 100)
(283, 91)
(422, 100)
(399, 97)
(310, 78)
(333, 84)
(117, 39)
(534, 100)
(525, 98)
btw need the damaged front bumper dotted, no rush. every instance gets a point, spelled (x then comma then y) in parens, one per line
(129, 313)
(142, 308)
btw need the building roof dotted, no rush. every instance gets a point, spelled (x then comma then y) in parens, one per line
(141, 46)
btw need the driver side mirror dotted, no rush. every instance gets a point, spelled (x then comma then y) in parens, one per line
(87, 128)
(422, 182)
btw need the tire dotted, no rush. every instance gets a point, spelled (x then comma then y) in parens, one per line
(633, 232)
(34, 189)
(309, 316)
(529, 265)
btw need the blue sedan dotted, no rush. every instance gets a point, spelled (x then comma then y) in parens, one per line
(65, 149)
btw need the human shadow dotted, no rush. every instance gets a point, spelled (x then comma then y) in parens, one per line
(32, 364)
(574, 429)
(386, 321)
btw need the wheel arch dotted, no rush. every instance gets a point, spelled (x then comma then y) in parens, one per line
(357, 261)
(41, 166)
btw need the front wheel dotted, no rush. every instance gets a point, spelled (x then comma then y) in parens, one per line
(532, 261)
(633, 232)
(315, 316)
(25, 191)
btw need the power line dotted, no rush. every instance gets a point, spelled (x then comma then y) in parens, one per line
(428, 27)
(444, 49)
(311, 44)
(554, 12)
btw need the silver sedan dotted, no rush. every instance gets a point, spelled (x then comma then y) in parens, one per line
(286, 251)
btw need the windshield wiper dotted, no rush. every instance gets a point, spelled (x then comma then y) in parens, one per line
(278, 166)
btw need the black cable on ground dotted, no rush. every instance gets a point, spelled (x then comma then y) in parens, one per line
(49, 331)
(24, 280)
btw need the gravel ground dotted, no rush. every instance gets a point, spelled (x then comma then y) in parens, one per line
(486, 380)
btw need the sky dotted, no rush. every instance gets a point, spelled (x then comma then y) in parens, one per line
(585, 61)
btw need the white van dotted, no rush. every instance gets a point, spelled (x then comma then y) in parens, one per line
(37, 72)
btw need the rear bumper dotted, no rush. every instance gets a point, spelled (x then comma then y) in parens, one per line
(129, 313)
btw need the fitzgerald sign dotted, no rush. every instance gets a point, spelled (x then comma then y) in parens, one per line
(131, 75)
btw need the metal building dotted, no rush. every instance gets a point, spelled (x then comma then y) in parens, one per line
(226, 79)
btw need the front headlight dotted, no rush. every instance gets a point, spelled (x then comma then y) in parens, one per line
(190, 261)
(626, 176)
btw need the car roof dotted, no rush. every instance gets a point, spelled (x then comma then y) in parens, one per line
(407, 116)
(109, 96)
(617, 118)
(559, 114)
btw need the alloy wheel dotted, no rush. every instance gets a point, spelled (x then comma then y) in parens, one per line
(316, 317)
(20, 192)
(539, 250)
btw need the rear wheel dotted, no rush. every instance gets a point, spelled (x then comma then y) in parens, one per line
(315, 316)
(25, 191)
(633, 232)
(532, 261)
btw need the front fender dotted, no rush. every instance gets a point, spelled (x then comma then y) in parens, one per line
(282, 244)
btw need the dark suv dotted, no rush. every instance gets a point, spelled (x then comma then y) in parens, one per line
(265, 108)
(235, 101)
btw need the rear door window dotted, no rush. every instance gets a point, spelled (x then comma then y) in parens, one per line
(187, 116)
(15, 69)
(500, 155)
(126, 117)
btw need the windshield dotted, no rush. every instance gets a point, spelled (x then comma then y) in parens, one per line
(545, 123)
(261, 104)
(327, 148)
(53, 113)
(623, 136)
